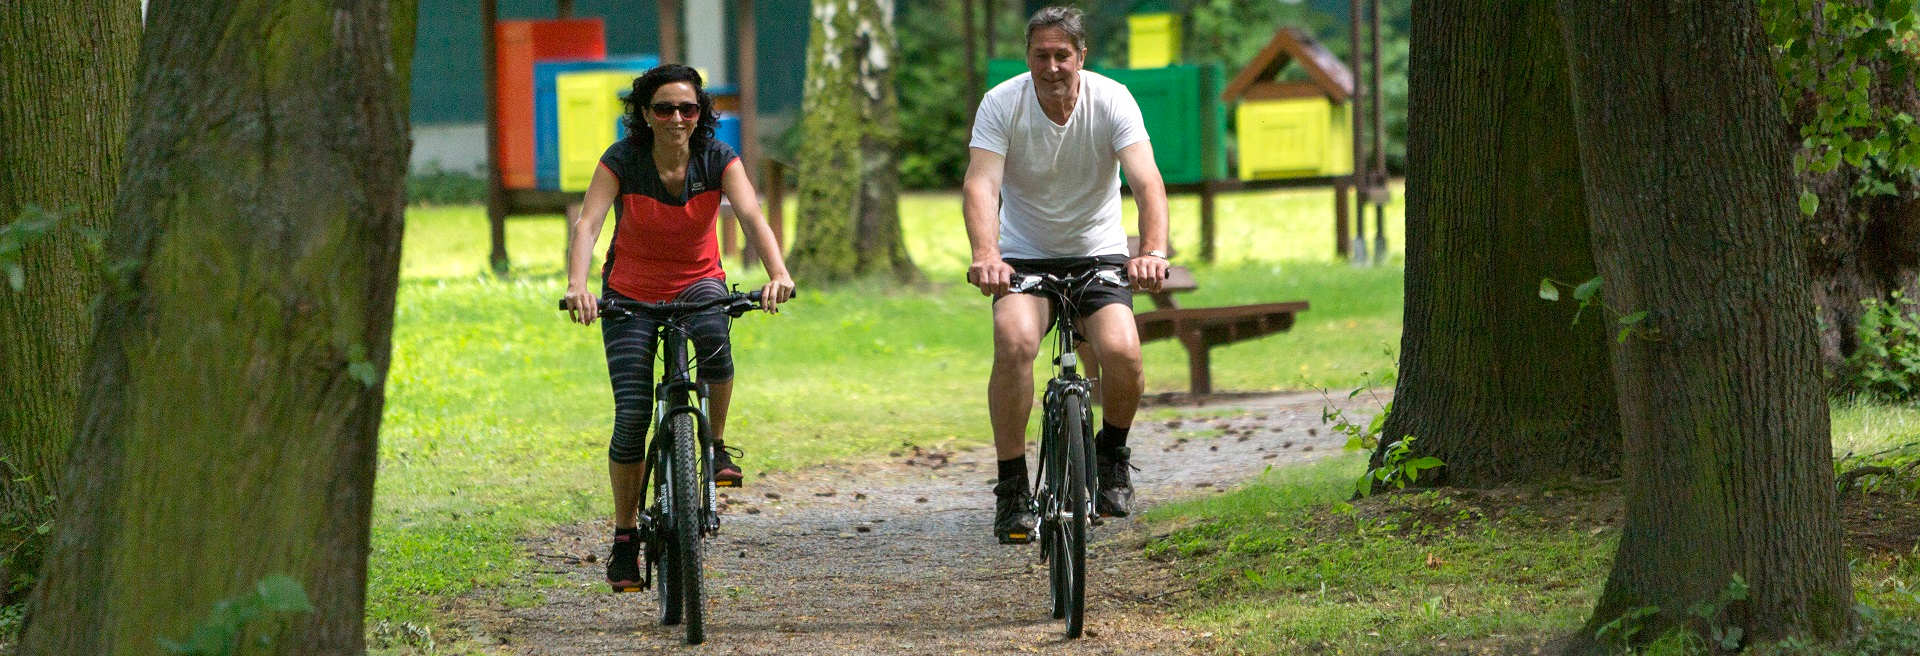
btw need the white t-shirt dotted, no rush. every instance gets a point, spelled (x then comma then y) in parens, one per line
(1060, 194)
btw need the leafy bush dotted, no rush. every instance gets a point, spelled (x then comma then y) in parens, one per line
(1886, 362)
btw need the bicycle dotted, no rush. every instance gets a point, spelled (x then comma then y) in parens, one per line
(680, 455)
(1063, 498)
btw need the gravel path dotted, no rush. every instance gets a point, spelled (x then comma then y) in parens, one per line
(896, 556)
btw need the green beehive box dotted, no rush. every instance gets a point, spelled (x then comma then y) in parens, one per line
(1180, 105)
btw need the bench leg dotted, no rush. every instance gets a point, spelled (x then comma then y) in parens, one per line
(1199, 367)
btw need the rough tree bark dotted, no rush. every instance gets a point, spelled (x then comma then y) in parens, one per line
(1500, 385)
(849, 207)
(65, 76)
(234, 392)
(1727, 464)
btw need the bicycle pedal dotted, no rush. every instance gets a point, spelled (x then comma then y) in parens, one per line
(631, 587)
(1017, 538)
(726, 483)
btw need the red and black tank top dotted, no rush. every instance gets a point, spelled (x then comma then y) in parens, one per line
(663, 240)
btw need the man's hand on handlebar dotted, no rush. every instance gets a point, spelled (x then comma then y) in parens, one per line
(582, 307)
(776, 291)
(1146, 272)
(992, 276)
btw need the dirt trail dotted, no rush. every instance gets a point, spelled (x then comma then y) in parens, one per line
(896, 557)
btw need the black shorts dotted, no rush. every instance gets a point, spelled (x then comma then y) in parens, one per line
(1091, 297)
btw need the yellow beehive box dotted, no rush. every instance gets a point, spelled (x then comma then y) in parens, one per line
(1153, 40)
(589, 114)
(1294, 138)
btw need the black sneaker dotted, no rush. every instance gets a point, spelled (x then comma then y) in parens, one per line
(725, 473)
(1013, 518)
(623, 565)
(1116, 485)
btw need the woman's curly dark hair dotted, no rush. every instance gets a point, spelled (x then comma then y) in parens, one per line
(651, 81)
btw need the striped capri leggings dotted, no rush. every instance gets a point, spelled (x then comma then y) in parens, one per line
(630, 354)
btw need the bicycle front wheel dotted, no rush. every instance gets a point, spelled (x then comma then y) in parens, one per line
(667, 568)
(687, 515)
(1073, 431)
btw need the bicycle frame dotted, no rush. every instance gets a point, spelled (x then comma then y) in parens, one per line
(678, 394)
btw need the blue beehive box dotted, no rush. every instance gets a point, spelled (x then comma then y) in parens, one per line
(546, 108)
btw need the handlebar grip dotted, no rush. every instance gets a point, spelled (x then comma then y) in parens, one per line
(563, 304)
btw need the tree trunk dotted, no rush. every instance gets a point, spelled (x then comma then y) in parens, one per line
(234, 391)
(849, 170)
(1727, 466)
(64, 79)
(1499, 384)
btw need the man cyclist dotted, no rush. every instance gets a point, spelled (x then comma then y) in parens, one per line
(1042, 195)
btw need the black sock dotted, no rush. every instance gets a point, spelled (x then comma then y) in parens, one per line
(625, 531)
(1015, 467)
(1111, 438)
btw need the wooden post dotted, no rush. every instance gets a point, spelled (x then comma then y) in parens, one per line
(669, 17)
(1378, 177)
(1359, 178)
(1207, 235)
(973, 61)
(1340, 198)
(748, 31)
(1199, 368)
(563, 8)
(496, 194)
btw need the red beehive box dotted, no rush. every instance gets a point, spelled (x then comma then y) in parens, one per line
(517, 44)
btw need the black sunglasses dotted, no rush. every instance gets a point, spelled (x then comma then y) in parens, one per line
(665, 111)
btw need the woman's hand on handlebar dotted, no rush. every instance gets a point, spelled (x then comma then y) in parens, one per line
(582, 307)
(994, 277)
(1146, 272)
(776, 291)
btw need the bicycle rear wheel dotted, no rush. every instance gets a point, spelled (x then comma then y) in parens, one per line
(1074, 531)
(666, 569)
(687, 513)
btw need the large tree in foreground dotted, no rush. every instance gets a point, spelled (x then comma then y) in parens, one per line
(64, 78)
(849, 212)
(236, 384)
(1500, 385)
(1728, 466)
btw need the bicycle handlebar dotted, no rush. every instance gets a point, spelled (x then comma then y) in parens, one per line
(736, 304)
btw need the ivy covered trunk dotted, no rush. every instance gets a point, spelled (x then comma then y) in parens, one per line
(234, 391)
(1731, 521)
(1499, 384)
(849, 208)
(1849, 72)
(64, 79)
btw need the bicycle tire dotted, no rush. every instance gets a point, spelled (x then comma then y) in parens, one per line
(1074, 434)
(1053, 461)
(687, 515)
(667, 572)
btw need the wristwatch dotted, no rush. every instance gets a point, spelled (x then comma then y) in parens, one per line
(1157, 253)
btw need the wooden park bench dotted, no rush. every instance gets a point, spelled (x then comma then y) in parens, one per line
(1201, 329)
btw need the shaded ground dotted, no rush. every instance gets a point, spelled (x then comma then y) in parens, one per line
(896, 557)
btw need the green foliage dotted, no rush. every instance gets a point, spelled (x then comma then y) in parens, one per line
(1588, 293)
(221, 632)
(437, 186)
(1829, 57)
(34, 224)
(1886, 359)
(1397, 469)
(933, 152)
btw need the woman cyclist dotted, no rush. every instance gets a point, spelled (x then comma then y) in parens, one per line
(663, 182)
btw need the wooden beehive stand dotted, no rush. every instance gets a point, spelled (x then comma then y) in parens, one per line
(504, 201)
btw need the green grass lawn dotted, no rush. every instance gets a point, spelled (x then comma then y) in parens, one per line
(498, 410)
(1286, 565)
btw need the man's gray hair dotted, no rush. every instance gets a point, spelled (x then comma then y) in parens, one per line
(1065, 19)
